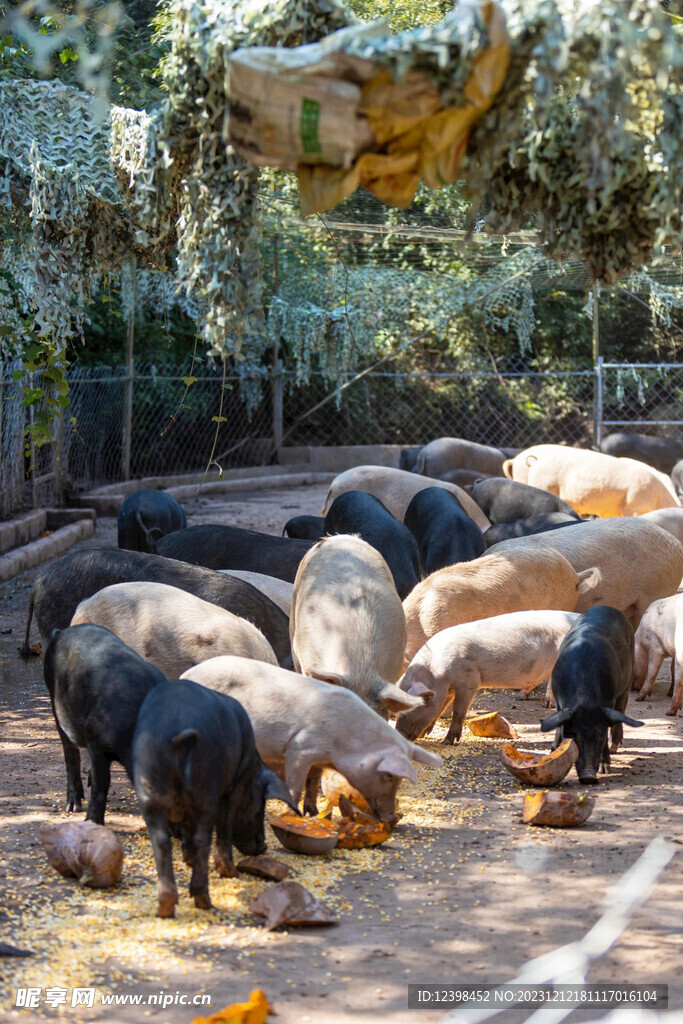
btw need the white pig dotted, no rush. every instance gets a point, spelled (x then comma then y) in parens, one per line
(171, 628)
(591, 482)
(515, 651)
(660, 636)
(279, 591)
(303, 725)
(669, 519)
(347, 625)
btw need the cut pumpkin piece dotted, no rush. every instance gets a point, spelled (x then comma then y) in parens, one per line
(557, 809)
(540, 769)
(355, 835)
(491, 725)
(305, 835)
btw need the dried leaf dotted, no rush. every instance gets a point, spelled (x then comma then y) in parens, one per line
(264, 867)
(84, 850)
(253, 1012)
(7, 950)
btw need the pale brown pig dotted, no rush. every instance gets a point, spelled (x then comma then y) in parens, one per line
(347, 625)
(171, 628)
(638, 562)
(495, 584)
(592, 483)
(396, 489)
(515, 651)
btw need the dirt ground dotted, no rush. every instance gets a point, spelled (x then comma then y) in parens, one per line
(463, 891)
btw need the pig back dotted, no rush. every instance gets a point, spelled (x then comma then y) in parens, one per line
(638, 561)
(496, 584)
(347, 617)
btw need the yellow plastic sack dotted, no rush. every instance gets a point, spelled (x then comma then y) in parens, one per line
(417, 138)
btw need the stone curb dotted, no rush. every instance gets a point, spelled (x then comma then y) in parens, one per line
(39, 551)
(109, 504)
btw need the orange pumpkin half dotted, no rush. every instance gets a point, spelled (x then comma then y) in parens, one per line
(540, 769)
(305, 835)
(557, 809)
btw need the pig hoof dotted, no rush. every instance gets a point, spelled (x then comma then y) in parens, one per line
(167, 904)
(672, 712)
(613, 748)
(202, 901)
(225, 868)
(642, 696)
(451, 738)
(74, 805)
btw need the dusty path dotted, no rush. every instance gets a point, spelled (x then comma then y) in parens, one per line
(462, 892)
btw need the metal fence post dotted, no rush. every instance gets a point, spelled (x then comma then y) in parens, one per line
(598, 404)
(57, 457)
(4, 502)
(277, 407)
(128, 385)
(277, 362)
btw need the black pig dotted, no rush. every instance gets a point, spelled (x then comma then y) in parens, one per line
(96, 687)
(304, 527)
(60, 587)
(444, 532)
(504, 500)
(146, 516)
(499, 532)
(195, 763)
(230, 547)
(364, 514)
(591, 682)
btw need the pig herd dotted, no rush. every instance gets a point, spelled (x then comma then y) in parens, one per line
(222, 667)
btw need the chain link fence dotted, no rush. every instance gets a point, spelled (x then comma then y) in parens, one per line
(513, 411)
(178, 418)
(178, 421)
(647, 398)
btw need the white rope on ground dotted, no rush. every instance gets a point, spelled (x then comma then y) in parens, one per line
(570, 964)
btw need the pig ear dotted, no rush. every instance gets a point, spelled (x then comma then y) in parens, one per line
(395, 699)
(557, 719)
(618, 716)
(277, 790)
(589, 579)
(396, 763)
(425, 756)
(326, 677)
(418, 689)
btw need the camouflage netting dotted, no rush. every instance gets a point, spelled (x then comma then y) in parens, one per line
(584, 135)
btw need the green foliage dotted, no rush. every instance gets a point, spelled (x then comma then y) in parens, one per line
(50, 397)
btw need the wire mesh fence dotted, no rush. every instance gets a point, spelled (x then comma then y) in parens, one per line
(514, 410)
(647, 398)
(181, 418)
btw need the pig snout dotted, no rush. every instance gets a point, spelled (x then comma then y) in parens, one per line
(588, 780)
(384, 808)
